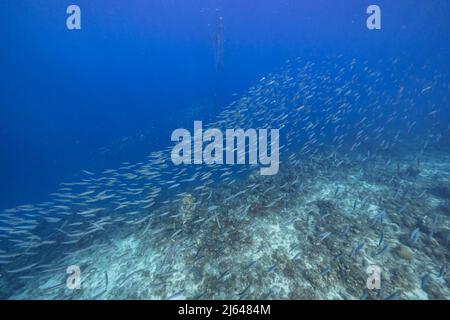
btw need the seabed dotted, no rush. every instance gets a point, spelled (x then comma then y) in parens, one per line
(280, 251)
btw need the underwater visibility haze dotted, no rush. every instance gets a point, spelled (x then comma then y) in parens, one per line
(110, 189)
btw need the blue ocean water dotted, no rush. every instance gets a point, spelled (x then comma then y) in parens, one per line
(89, 100)
(67, 94)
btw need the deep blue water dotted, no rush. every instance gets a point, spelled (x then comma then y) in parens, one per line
(139, 69)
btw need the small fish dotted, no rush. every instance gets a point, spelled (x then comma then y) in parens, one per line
(325, 270)
(224, 274)
(344, 230)
(324, 235)
(354, 205)
(378, 218)
(381, 217)
(393, 295)
(106, 281)
(338, 257)
(251, 264)
(435, 220)
(177, 296)
(383, 250)
(424, 281)
(272, 268)
(336, 192)
(244, 291)
(156, 284)
(381, 238)
(357, 249)
(212, 208)
(414, 236)
(443, 271)
(425, 90)
(295, 258)
(422, 193)
(23, 269)
(199, 296)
